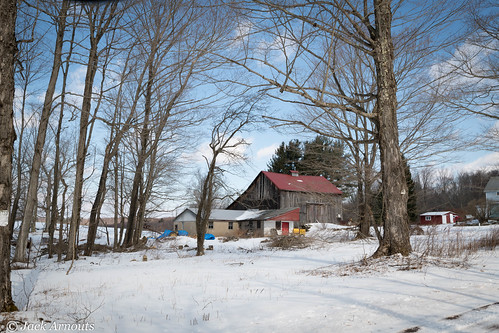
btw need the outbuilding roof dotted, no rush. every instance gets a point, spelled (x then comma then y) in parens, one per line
(315, 184)
(290, 214)
(437, 213)
(492, 185)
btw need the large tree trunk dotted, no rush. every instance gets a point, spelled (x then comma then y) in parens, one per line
(31, 197)
(130, 237)
(8, 48)
(17, 196)
(137, 183)
(82, 150)
(98, 202)
(205, 206)
(395, 226)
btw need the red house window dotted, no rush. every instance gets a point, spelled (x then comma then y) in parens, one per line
(427, 218)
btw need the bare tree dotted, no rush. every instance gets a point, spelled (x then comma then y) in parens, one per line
(101, 18)
(118, 128)
(174, 44)
(29, 72)
(340, 60)
(60, 23)
(469, 78)
(310, 32)
(224, 141)
(8, 49)
(58, 166)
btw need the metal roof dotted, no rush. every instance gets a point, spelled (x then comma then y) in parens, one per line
(240, 215)
(437, 213)
(492, 185)
(314, 184)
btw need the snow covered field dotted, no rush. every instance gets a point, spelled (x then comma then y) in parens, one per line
(246, 286)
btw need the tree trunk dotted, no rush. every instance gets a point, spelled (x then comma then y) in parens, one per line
(205, 206)
(8, 48)
(396, 227)
(82, 149)
(116, 203)
(48, 201)
(17, 197)
(31, 198)
(57, 177)
(146, 193)
(98, 202)
(61, 218)
(57, 171)
(130, 238)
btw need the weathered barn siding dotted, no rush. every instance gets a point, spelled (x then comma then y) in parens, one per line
(314, 206)
(261, 194)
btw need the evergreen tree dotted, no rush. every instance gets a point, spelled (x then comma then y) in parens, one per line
(324, 157)
(318, 157)
(286, 158)
(412, 209)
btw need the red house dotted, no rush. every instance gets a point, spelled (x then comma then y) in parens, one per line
(438, 218)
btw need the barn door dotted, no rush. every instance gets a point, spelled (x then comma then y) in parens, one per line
(316, 213)
(285, 228)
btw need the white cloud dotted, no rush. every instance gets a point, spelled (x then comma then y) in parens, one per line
(267, 152)
(242, 32)
(488, 161)
(204, 151)
(470, 57)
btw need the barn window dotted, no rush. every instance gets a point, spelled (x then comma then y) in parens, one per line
(278, 225)
(427, 218)
(250, 224)
(210, 225)
(231, 225)
(258, 224)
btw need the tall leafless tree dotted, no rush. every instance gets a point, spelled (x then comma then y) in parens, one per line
(31, 197)
(303, 52)
(8, 49)
(297, 28)
(100, 19)
(224, 141)
(175, 44)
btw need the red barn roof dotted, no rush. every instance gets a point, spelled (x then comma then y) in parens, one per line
(316, 184)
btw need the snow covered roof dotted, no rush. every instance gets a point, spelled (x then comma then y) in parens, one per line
(437, 213)
(217, 214)
(492, 185)
(315, 184)
(240, 215)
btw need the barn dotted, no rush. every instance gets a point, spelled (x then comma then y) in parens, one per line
(317, 198)
(438, 218)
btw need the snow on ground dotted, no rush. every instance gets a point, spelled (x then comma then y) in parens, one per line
(245, 286)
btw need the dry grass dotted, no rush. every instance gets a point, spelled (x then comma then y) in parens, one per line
(453, 243)
(288, 242)
(450, 248)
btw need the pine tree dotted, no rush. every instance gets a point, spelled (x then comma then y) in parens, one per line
(286, 157)
(412, 210)
(324, 157)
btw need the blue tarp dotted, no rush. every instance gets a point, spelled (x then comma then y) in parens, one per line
(182, 233)
(165, 234)
(209, 237)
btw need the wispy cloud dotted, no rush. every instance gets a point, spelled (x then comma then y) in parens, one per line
(266, 152)
(486, 162)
